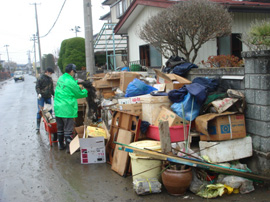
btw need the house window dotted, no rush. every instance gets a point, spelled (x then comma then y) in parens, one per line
(230, 45)
(150, 56)
(124, 6)
(119, 9)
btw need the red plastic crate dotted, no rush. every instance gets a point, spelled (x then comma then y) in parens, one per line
(176, 132)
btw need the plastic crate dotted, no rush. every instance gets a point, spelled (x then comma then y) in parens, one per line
(176, 133)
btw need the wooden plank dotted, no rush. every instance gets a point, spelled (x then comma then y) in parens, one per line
(195, 163)
(133, 124)
(165, 138)
(121, 158)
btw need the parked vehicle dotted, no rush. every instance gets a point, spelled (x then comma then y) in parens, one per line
(18, 75)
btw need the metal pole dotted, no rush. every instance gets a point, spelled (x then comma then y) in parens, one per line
(39, 48)
(7, 56)
(89, 42)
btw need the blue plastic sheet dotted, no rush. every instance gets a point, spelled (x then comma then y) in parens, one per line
(138, 87)
(190, 114)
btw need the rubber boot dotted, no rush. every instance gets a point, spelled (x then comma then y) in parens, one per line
(61, 141)
(68, 140)
(38, 126)
(54, 136)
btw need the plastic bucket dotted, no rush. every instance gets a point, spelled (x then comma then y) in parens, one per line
(143, 166)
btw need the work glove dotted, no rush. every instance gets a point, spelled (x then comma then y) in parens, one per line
(39, 96)
(80, 81)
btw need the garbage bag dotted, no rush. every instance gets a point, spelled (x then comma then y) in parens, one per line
(138, 87)
(190, 114)
(244, 185)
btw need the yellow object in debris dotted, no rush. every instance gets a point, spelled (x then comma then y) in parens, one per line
(215, 190)
(95, 132)
(228, 189)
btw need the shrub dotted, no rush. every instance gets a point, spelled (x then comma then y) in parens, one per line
(258, 35)
(185, 27)
(223, 61)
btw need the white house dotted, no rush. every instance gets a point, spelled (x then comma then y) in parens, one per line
(131, 15)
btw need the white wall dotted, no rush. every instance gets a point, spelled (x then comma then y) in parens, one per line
(240, 25)
(133, 30)
(242, 22)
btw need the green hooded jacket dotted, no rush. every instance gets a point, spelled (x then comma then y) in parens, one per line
(67, 92)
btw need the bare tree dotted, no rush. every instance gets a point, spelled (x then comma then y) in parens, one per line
(185, 27)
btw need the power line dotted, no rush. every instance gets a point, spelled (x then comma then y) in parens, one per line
(55, 20)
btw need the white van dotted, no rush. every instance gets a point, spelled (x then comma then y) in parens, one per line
(18, 75)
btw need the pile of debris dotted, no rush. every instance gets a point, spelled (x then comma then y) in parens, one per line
(148, 127)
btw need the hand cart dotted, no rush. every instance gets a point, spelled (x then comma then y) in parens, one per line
(50, 128)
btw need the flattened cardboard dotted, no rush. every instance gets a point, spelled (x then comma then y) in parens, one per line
(126, 78)
(217, 127)
(121, 158)
(172, 81)
(167, 115)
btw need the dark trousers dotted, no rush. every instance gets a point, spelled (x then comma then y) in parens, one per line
(65, 126)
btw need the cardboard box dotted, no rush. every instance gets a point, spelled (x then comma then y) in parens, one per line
(151, 107)
(130, 108)
(126, 78)
(92, 149)
(172, 81)
(217, 127)
(102, 83)
(228, 150)
(79, 130)
(98, 76)
(167, 115)
(112, 76)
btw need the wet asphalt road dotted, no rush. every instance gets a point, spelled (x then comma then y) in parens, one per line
(31, 170)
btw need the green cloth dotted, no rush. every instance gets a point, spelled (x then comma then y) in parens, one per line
(213, 97)
(65, 98)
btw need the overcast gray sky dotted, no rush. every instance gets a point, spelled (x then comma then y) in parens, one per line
(18, 24)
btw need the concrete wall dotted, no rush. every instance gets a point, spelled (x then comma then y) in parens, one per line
(235, 83)
(257, 92)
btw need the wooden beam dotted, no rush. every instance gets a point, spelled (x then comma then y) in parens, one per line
(165, 138)
(195, 163)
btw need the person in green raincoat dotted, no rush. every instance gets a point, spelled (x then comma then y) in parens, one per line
(67, 92)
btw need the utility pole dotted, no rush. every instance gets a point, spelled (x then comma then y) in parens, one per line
(29, 62)
(89, 41)
(7, 56)
(76, 29)
(35, 64)
(39, 48)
